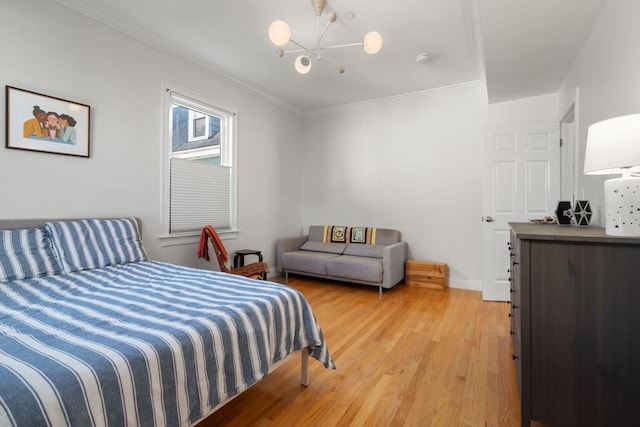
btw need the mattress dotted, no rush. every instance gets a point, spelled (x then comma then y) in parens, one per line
(142, 343)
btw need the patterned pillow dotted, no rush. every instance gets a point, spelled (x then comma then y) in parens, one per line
(95, 243)
(26, 253)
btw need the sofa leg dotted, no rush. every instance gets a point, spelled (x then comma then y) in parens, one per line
(286, 277)
(380, 290)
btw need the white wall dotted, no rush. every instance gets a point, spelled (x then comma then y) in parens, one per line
(50, 49)
(607, 72)
(536, 109)
(411, 163)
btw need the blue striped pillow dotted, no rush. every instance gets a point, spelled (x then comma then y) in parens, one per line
(26, 253)
(95, 243)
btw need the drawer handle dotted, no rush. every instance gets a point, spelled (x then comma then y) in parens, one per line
(515, 263)
(511, 332)
(512, 290)
(514, 306)
(514, 357)
(510, 315)
(509, 279)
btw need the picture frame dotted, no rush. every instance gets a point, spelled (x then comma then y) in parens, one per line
(48, 124)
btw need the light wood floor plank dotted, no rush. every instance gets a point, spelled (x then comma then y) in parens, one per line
(413, 357)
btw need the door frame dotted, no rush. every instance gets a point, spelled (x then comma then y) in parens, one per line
(571, 111)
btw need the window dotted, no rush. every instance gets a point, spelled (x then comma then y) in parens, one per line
(199, 166)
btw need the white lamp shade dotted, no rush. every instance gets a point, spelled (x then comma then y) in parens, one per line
(613, 145)
(279, 33)
(372, 42)
(303, 64)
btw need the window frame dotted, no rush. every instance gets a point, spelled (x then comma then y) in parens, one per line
(228, 152)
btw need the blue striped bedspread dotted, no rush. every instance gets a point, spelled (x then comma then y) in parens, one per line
(145, 343)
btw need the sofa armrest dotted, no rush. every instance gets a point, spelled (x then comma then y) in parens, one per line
(287, 244)
(393, 258)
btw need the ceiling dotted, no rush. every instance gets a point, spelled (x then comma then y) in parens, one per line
(520, 48)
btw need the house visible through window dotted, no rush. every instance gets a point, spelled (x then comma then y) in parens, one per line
(200, 166)
(199, 126)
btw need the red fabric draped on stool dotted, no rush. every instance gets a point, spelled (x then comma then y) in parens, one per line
(255, 269)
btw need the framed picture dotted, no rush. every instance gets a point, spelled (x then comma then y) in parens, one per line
(45, 123)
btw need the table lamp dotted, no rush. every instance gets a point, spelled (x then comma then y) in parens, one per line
(613, 147)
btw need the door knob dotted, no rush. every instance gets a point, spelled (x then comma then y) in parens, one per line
(487, 219)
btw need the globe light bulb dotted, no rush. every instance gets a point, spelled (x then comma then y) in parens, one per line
(372, 42)
(303, 64)
(279, 33)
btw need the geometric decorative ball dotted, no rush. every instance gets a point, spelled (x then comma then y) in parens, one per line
(564, 213)
(582, 213)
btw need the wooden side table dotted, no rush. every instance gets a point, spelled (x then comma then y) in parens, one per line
(425, 274)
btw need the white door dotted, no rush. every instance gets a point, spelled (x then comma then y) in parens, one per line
(521, 182)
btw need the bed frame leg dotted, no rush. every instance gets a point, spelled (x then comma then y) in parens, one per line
(304, 367)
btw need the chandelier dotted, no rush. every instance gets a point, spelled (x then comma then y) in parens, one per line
(280, 35)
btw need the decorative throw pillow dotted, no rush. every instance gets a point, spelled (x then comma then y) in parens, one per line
(364, 235)
(339, 234)
(95, 243)
(26, 253)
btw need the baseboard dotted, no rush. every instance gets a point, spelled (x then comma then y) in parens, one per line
(471, 285)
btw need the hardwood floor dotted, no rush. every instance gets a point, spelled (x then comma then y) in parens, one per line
(413, 357)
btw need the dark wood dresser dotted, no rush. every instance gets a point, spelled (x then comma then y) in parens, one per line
(575, 321)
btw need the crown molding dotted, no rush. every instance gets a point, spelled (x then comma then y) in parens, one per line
(92, 11)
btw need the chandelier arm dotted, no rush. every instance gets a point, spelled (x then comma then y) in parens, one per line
(295, 51)
(335, 46)
(321, 35)
(304, 49)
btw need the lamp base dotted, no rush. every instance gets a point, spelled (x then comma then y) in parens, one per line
(622, 206)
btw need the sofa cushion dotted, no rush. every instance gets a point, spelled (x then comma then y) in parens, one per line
(307, 261)
(371, 251)
(334, 248)
(355, 267)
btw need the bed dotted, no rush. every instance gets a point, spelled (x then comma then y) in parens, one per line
(92, 332)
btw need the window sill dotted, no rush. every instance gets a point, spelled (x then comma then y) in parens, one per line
(192, 237)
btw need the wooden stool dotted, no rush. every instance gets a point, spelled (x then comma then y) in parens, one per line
(238, 259)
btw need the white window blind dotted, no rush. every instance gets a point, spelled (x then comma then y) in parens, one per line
(199, 194)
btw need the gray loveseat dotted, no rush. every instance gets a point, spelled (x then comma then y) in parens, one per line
(371, 256)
